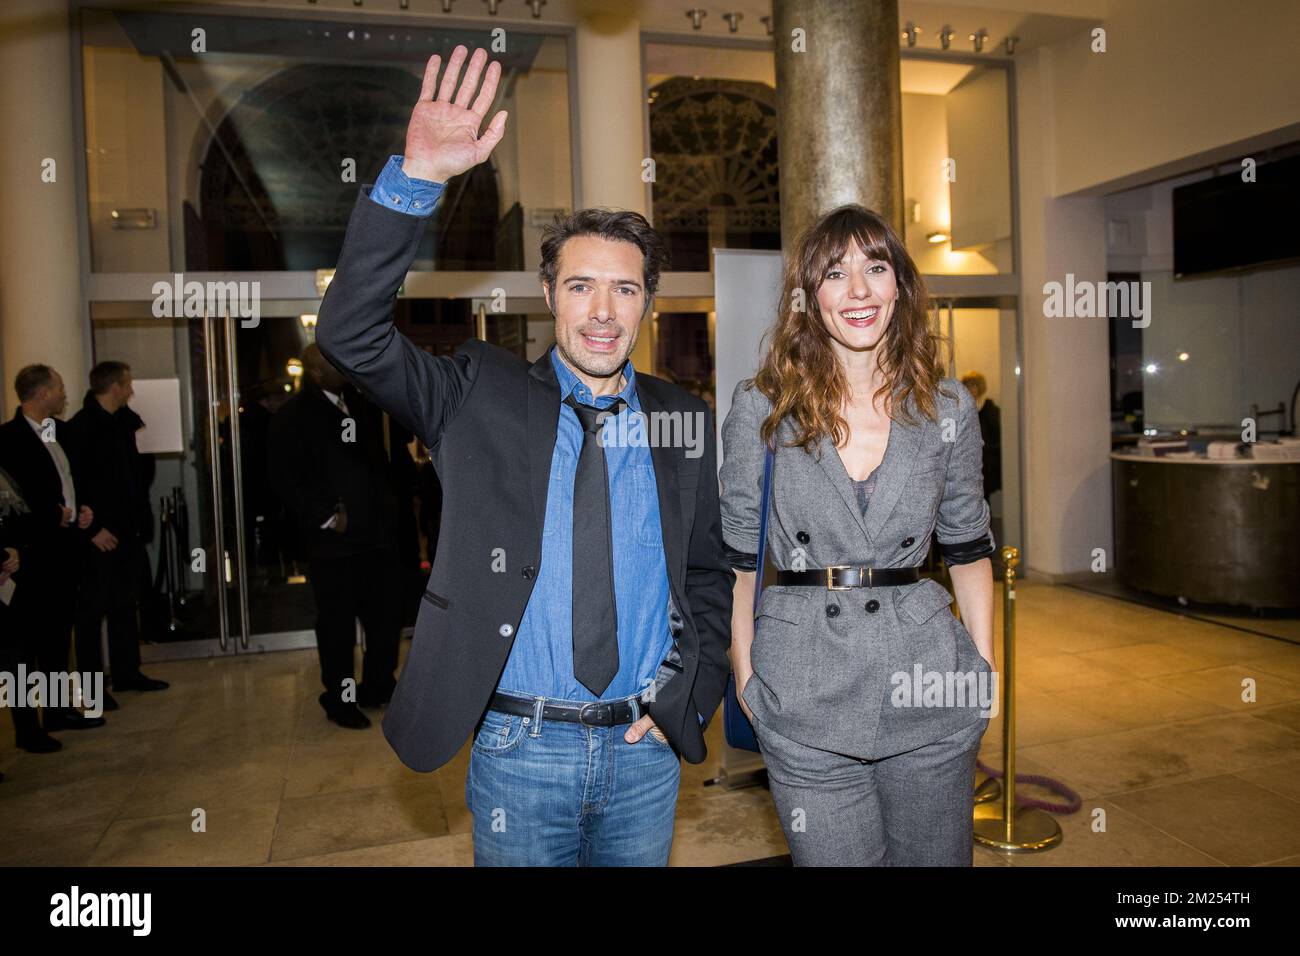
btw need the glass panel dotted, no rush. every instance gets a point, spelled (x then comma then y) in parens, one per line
(184, 558)
(684, 351)
(269, 371)
(713, 140)
(247, 156)
(984, 345)
(1215, 350)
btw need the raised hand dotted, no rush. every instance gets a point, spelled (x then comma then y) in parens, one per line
(443, 139)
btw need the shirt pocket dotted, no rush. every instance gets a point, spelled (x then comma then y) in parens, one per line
(646, 530)
(562, 470)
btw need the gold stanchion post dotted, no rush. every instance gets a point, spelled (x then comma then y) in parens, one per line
(1000, 824)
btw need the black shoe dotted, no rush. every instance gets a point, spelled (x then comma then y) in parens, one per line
(39, 743)
(140, 682)
(343, 714)
(56, 720)
(368, 698)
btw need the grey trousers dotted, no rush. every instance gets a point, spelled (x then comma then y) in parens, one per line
(908, 809)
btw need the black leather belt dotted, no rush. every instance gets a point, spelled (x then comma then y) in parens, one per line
(596, 713)
(842, 577)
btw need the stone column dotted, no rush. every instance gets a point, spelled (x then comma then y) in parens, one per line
(610, 111)
(839, 108)
(41, 316)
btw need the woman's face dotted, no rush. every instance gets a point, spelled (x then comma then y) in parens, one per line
(857, 298)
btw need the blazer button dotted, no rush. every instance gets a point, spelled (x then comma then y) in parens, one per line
(832, 610)
(873, 606)
(528, 572)
(908, 542)
(505, 630)
(803, 537)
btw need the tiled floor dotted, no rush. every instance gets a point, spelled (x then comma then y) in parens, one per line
(1139, 711)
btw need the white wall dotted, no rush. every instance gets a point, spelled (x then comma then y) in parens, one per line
(1178, 78)
(1065, 431)
(978, 141)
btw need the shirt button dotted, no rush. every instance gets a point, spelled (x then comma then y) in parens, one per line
(416, 204)
(832, 610)
(528, 572)
(397, 200)
(908, 542)
(873, 606)
(505, 630)
(803, 537)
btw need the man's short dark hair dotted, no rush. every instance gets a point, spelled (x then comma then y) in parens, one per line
(107, 374)
(620, 225)
(31, 379)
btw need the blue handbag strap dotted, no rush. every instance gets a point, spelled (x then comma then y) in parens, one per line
(768, 461)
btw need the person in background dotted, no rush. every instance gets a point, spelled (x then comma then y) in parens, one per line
(103, 442)
(327, 464)
(35, 450)
(15, 630)
(990, 428)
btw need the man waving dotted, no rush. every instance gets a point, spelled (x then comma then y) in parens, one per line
(577, 617)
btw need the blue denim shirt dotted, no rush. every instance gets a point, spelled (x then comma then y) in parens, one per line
(541, 660)
(396, 190)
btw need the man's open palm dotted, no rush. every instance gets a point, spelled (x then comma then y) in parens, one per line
(443, 138)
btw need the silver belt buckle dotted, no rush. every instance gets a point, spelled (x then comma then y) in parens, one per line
(593, 708)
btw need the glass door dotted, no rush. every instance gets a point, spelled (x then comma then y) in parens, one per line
(180, 373)
(228, 573)
(982, 351)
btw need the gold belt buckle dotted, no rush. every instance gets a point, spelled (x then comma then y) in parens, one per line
(830, 577)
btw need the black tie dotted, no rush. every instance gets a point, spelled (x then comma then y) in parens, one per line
(595, 618)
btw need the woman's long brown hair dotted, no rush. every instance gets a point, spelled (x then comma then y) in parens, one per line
(801, 376)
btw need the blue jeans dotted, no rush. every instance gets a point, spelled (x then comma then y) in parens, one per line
(555, 793)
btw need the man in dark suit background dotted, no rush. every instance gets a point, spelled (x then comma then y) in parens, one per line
(35, 450)
(116, 487)
(577, 617)
(16, 649)
(990, 417)
(327, 463)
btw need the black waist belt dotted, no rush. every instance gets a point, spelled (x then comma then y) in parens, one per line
(843, 576)
(596, 713)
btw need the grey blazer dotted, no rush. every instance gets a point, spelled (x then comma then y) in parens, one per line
(826, 662)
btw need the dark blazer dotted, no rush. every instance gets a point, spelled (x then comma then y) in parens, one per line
(312, 468)
(991, 429)
(490, 420)
(108, 471)
(28, 461)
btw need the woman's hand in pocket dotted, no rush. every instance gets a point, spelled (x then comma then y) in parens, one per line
(743, 678)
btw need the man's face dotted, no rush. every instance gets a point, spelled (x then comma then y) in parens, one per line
(599, 300)
(125, 390)
(54, 397)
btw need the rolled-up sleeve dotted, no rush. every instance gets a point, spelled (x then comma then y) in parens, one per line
(741, 475)
(963, 523)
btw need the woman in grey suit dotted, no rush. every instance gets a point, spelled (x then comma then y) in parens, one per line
(868, 697)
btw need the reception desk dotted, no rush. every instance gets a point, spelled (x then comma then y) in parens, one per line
(1212, 532)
